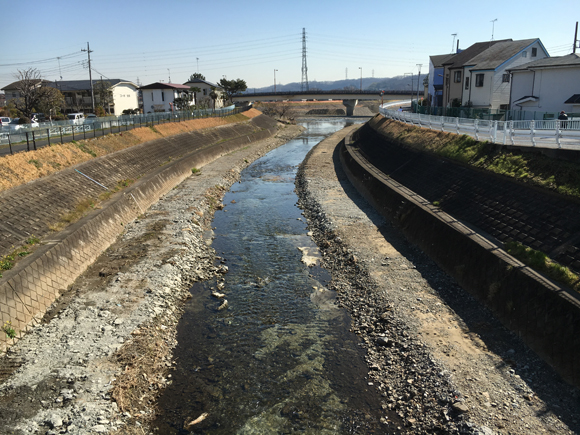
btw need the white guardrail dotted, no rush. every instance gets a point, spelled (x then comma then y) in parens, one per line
(541, 134)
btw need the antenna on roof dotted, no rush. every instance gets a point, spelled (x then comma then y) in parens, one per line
(453, 43)
(492, 27)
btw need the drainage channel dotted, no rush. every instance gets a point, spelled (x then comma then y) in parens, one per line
(279, 359)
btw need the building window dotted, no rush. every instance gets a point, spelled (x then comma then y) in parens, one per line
(457, 76)
(534, 52)
(162, 96)
(478, 80)
(525, 54)
(205, 92)
(505, 78)
(466, 83)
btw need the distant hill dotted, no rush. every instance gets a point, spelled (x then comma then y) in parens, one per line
(399, 83)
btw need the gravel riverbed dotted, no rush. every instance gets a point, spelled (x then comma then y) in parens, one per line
(438, 360)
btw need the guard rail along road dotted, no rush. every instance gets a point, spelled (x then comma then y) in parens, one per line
(554, 134)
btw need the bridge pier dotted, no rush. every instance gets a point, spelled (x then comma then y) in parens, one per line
(350, 105)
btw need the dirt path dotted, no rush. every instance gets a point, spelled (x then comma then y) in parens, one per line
(103, 352)
(435, 355)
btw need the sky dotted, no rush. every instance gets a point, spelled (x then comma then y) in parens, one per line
(150, 41)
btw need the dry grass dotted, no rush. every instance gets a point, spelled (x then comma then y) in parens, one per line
(252, 113)
(24, 167)
(145, 361)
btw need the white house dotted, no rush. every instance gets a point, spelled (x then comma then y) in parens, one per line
(77, 94)
(202, 97)
(547, 85)
(486, 79)
(159, 97)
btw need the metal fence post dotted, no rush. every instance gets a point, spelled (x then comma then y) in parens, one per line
(457, 125)
(73, 131)
(48, 135)
(512, 132)
(532, 132)
(558, 134)
(10, 143)
(27, 142)
(84, 132)
(61, 141)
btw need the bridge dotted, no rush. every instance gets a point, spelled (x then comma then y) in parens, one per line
(349, 97)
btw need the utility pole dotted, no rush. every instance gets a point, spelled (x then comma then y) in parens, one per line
(197, 59)
(304, 85)
(169, 73)
(453, 43)
(418, 80)
(88, 50)
(575, 40)
(275, 80)
(346, 73)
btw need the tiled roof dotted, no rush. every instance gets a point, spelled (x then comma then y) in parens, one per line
(159, 85)
(461, 59)
(497, 54)
(439, 59)
(202, 81)
(551, 62)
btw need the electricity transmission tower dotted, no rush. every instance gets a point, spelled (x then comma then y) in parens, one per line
(304, 86)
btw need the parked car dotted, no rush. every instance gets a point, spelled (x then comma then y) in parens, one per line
(15, 125)
(76, 118)
(91, 117)
(4, 121)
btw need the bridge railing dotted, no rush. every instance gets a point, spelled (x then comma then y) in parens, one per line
(541, 134)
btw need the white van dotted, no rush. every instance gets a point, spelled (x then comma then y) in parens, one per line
(76, 118)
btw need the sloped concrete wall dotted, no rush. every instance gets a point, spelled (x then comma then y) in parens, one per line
(33, 285)
(544, 315)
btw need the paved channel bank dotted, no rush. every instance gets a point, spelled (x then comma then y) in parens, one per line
(27, 290)
(435, 354)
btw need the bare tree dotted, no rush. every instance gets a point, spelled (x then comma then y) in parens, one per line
(51, 101)
(102, 90)
(29, 91)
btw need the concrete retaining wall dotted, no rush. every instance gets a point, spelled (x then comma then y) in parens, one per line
(34, 284)
(544, 315)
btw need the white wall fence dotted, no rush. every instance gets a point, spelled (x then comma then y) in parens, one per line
(540, 134)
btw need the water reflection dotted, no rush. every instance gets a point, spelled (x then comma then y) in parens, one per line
(280, 358)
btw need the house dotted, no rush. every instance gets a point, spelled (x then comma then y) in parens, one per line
(436, 75)
(453, 72)
(486, 82)
(77, 94)
(202, 98)
(547, 85)
(160, 97)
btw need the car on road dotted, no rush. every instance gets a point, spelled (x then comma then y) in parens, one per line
(15, 125)
(76, 118)
(4, 122)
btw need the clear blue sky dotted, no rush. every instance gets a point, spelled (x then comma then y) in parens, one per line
(149, 40)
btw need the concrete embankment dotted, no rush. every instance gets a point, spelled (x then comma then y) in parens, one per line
(545, 315)
(36, 281)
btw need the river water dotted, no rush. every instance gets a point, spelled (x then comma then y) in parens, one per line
(280, 358)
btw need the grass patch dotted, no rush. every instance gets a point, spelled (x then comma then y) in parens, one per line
(36, 163)
(540, 262)
(85, 149)
(195, 171)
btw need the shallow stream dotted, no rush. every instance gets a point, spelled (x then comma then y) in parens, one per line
(280, 358)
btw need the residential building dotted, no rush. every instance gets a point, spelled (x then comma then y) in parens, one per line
(77, 94)
(160, 97)
(202, 97)
(436, 76)
(453, 74)
(486, 82)
(547, 85)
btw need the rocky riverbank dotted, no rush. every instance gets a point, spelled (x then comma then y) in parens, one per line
(438, 359)
(104, 351)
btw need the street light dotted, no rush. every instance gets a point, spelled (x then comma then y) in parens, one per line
(275, 80)
(360, 77)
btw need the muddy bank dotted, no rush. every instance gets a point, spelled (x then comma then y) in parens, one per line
(435, 355)
(103, 351)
